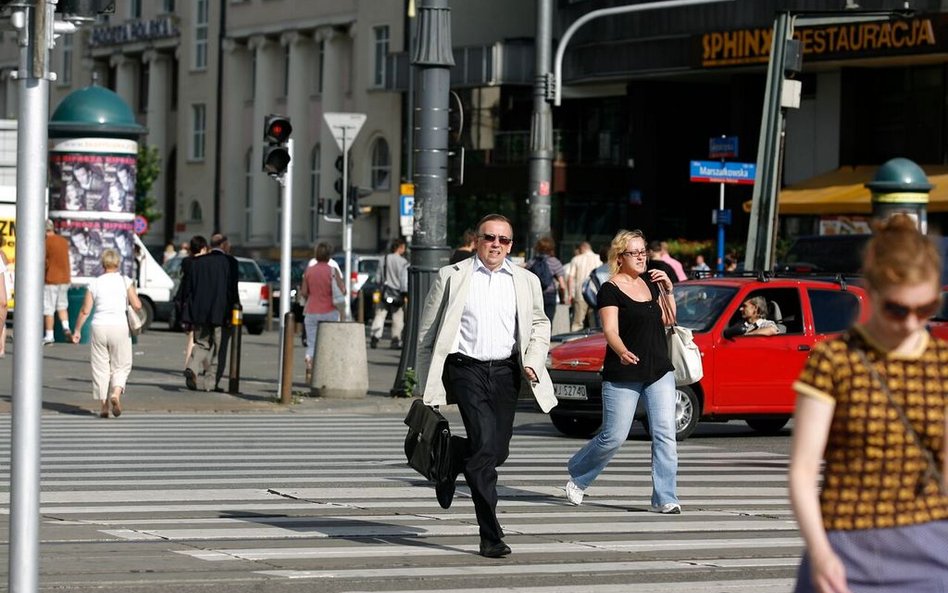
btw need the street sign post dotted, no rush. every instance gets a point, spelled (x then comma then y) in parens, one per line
(722, 173)
(344, 128)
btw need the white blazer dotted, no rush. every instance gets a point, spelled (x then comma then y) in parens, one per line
(441, 322)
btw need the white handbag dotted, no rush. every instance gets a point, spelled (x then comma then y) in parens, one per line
(684, 353)
(338, 296)
(135, 319)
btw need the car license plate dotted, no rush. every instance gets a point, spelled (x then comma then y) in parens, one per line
(562, 391)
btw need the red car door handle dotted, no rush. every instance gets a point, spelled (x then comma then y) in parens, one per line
(803, 348)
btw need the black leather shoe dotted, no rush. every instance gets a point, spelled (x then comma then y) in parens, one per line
(190, 380)
(445, 493)
(374, 343)
(494, 550)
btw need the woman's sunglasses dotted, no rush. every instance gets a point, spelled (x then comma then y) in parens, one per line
(490, 238)
(899, 312)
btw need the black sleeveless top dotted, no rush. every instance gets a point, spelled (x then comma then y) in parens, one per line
(642, 332)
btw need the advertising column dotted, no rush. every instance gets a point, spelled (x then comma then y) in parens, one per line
(92, 200)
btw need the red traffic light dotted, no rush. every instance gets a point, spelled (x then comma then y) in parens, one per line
(276, 129)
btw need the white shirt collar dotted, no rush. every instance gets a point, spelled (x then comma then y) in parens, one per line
(504, 266)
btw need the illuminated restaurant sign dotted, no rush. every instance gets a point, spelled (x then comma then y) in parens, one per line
(843, 41)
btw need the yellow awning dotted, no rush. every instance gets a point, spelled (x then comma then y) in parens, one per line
(843, 191)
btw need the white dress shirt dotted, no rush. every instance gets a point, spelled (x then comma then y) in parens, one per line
(489, 322)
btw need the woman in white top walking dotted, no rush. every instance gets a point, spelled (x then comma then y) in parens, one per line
(111, 343)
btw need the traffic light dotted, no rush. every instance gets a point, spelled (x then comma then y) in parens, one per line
(337, 185)
(276, 156)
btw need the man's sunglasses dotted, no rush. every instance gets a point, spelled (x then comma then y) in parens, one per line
(490, 238)
(898, 311)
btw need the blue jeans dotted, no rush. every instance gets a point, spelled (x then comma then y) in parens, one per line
(619, 400)
(311, 323)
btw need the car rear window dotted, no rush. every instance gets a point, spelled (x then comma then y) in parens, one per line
(247, 271)
(833, 310)
(700, 305)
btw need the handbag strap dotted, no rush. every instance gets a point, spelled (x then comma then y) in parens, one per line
(931, 472)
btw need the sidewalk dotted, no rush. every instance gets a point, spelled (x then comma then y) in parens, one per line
(157, 383)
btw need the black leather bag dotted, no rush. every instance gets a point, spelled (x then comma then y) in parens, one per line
(428, 443)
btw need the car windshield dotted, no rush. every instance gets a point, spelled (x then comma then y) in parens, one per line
(700, 305)
(247, 271)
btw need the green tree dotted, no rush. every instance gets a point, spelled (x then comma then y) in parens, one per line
(149, 167)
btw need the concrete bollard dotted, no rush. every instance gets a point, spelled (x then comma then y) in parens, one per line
(560, 320)
(340, 368)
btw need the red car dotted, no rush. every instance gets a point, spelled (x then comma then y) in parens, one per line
(745, 377)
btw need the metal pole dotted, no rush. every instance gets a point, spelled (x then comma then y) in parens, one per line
(595, 14)
(433, 57)
(720, 266)
(764, 198)
(541, 128)
(286, 244)
(33, 24)
(346, 223)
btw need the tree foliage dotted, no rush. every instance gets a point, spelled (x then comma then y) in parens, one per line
(149, 168)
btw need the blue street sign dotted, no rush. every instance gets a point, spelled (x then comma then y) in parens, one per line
(722, 147)
(721, 216)
(407, 204)
(717, 172)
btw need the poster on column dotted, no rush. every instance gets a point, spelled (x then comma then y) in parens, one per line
(92, 201)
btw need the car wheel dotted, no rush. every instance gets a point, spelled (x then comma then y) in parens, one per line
(254, 329)
(575, 427)
(687, 413)
(148, 312)
(768, 426)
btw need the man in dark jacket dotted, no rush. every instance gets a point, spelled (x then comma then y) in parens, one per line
(212, 294)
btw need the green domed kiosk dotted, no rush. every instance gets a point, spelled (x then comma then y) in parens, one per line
(900, 185)
(93, 162)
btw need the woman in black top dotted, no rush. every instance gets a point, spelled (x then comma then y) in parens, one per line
(636, 364)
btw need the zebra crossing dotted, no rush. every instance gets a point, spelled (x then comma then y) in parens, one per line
(327, 502)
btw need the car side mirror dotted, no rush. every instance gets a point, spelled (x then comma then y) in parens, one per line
(732, 332)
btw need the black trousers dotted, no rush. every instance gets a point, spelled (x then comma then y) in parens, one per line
(486, 394)
(223, 353)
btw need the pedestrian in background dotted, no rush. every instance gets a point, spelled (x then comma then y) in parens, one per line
(636, 365)
(580, 267)
(4, 300)
(110, 348)
(483, 339)
(871, 409)
(316, 288)
(212, 295)
(393, 275)
(655, 261)
(674, 263)
(700, 265)
(466, 248)
(57, 280)
(220, 246)
(549, 270)
(169, 253)
(197, 247)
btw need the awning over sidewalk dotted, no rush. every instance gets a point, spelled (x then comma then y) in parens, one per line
(843, 191)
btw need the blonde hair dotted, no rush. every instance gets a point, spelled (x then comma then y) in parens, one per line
(619, 243)
(110, 259)
(898, 254)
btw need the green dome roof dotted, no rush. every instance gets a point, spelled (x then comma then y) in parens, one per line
(899, 175)
(94, 111)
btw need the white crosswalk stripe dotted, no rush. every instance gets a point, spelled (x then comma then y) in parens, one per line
(329, 499)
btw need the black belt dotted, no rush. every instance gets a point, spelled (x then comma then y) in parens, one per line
(465, 360)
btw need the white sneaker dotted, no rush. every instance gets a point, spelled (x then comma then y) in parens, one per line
(669, 508)
(47, 341)
(574, 493)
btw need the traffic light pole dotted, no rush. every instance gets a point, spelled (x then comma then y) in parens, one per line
(286, 245)
(346, 223)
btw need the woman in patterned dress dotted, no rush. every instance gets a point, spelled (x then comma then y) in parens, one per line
(871, 403)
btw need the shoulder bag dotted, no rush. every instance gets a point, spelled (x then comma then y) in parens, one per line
(135, 321)
(682, 350)
(338, 295)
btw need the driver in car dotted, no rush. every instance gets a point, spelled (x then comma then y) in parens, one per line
(754, 313)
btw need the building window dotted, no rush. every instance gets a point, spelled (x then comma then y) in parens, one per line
(195, 213)
(198, 131)
(381, 165)
(320, 60)
(135, 9)
(381, 53)
(314, 179)
(66, 75)
(143, 81)
(200, 34)
(167, 6)
(248, 192)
